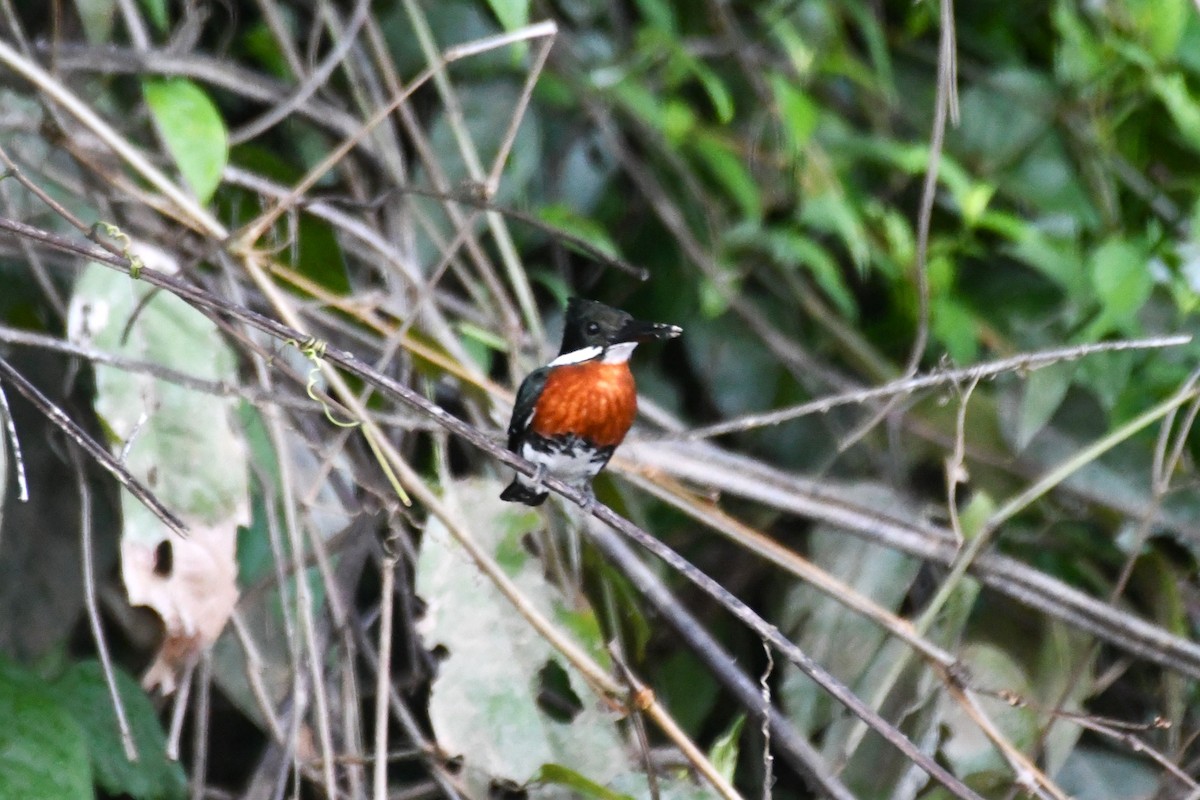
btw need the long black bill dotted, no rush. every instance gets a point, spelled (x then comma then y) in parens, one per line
(638, 331)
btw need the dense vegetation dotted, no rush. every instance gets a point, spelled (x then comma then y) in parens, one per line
(926, 441)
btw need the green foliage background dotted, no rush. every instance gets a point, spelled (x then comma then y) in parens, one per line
(763, 163)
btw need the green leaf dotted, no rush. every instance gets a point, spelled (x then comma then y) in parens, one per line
(687, 688)
(153, 776)
(1122, 281)
(1057, 258)
(319, 255)
(512, 14)
(585, 228)
(843, 640)
(792, 249)
(187, 449)
(484, 701)
(837, 214)
(714, 87)
(797, 111)
(724, 752)
(1044, 393)
(262, 46)
(97, 18)
(1181, 103)
(726, 166)
(1158, 24)
(955, 327)
(157, 11)
(966, 749)
(1079, 58)
(976, 513)
(43, 751)
(558, 775)
(1002, 119)
(193, 131)
(659, 14)
(1103, 773)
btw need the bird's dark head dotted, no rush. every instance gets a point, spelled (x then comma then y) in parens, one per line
(594, 325)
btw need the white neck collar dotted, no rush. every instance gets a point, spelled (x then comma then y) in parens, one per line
(613, 354)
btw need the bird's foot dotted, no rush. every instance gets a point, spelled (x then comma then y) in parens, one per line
(588, 502)
(539, 475)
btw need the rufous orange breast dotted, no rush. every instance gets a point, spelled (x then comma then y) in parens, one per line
(593, 400)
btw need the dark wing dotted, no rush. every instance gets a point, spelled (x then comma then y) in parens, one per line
(527, 397)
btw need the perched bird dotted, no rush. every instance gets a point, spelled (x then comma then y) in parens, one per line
(571, 414)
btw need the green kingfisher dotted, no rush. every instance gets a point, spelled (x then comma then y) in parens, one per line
(571, 414)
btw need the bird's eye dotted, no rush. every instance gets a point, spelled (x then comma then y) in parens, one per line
(592, 328)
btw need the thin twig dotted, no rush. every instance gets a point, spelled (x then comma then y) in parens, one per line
(904, 386)
(475, 201)
(946, 104)
(956, 467)
(454, 117)
(200, 729)
(309, 86)
(826, 501)
(87, 557)
(383, 675)
(91, 447)
(635, 715)
(10, 429)
(768, 760)
(254, 675)
(788, 741)
(179, 709)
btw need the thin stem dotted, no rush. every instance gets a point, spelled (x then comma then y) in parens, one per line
(93, 448)
(383, 673)
(87, 557)
(939, 377)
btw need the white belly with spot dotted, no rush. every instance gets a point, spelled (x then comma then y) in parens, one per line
(570, 463)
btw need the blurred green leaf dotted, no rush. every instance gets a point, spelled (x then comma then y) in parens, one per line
(1095, 772)
(687, 688)
(1043, 394)
(1122, 281)
(837, 214)
(724, 752)
(843, 640)
(262, 45)
(967, 748)
(1002, 117)
(1182, 104)
(659, 13)
(793, 250)
(797, 111)
(1079, 57)
(558, 775)
(484, 702)
(97, 18)
(1158, 24)
(585, 228)
(43, 750)
(193, 131)
(512, 14)
(318, 255)
(157, 11)
(955, 327)
(187, 448)
(153, 776)
(976, 514)
(726, 167)
(714, 87)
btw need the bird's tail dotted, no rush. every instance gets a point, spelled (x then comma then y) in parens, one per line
(520, 492)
